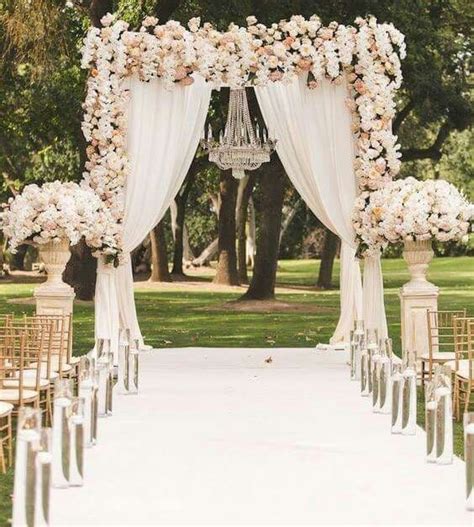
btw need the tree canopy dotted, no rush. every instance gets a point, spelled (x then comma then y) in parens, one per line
(42, 87)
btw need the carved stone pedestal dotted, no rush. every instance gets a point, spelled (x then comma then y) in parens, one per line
(54, 297)
(416, 297)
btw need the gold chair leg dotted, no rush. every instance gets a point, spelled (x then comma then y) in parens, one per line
(468, 397)
(456, 400)
(2, 457)
(10, 440)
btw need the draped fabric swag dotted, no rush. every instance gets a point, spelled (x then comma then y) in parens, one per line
(316, 147)
(164, 127)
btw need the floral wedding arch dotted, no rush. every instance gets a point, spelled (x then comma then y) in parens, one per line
(314, 84)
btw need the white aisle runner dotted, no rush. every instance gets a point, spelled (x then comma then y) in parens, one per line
(219, 436)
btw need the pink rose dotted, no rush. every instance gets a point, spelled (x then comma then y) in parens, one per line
(360, 86)
(276, 75)
(304, 64)
(187, 81)
(180, 73)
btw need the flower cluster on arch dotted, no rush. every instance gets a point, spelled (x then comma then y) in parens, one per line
(367, 56)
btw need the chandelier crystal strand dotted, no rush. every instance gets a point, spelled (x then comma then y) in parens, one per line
(239, 147)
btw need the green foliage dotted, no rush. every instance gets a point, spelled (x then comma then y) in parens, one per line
(42, 87)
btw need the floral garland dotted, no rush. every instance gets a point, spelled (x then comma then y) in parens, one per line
(411, 209)
(368, 56)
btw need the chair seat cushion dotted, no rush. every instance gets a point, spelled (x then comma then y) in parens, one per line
(452, 363)
(28, 382)
(66, 368)
(439, 356)
(12, 395)
(5, 409)
(53, 375)
(463, 371)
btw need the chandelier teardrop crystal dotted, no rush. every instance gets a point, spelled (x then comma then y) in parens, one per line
(240, 147)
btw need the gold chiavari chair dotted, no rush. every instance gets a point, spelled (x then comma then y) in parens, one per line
(12, 366)
(441, 346)
(37, 349)
(45, 328)
(61, 357)
(6, 320)
(464, 375)
(6, 436)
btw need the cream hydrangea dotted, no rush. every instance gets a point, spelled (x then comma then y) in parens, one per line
(57, 211)
(409, 209)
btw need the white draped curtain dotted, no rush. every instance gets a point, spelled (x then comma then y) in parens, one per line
(164, 127)
(316, 147)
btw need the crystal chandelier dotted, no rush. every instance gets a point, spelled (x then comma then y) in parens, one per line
(240, 147)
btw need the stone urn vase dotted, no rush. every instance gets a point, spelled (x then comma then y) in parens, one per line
(54, 256)
(417, 296)
(418, 255)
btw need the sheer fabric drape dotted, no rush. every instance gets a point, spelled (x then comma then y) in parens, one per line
(164, 127)
(315, 145)
(374, 306)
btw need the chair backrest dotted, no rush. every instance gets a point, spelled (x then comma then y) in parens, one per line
(50, 338)
(62, 340)
(6, 320)
(441, 330)
(470, 347)
(12, 356)
(461, 337)
(36, 347)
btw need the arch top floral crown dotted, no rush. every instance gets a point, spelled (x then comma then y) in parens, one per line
(367, 56)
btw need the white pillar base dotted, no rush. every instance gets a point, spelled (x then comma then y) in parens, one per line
(54, 301)
(415, 300)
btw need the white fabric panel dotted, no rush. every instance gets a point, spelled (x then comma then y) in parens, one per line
(374, 306)
(350, 291)
(315, 145)
(164, 127)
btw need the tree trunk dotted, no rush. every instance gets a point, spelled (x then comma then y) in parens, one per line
(331, 244)
(17, 261)
(244, 192)
(272, 181)
(289, 214)
(188, 253)
(207, 254)
(252, 234)
(177, 223)
(81, 271)
(159, 255)
(226, 272)
(178, 211)
(99, 8)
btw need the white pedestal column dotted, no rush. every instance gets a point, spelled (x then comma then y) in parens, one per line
(416, 297)
(54, 297)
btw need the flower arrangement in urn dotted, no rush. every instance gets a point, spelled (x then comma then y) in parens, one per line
(56, 213)
(409, 210)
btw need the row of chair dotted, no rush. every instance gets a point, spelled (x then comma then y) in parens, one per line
(34, 352)
(451, 342)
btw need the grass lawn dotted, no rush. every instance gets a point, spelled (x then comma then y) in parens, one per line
(190, 317)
